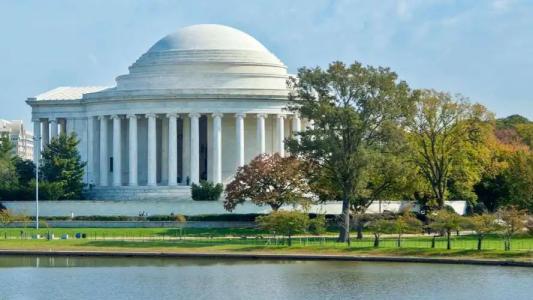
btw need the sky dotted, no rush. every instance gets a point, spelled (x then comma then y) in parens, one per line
(480, 49)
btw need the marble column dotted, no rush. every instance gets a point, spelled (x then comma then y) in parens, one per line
(217, 148)
(261, 138)
(163, 152)
(104, 159)
(132, 151)
(36, 141)
(280, 134)
(296, 126)
(172, 149)
(90, 150)
(152, 148)
(53, 129)
(195, 147)
(46, 132)
(239, 126)
(185, 151)
(117, 151)
(62, 125)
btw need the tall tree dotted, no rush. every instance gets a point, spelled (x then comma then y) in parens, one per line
(351, 108)
(62, 165)
(446, 136)
(8, 174)
(518, 178)
(268, 180)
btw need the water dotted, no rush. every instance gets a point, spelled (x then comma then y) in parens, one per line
(152, 278)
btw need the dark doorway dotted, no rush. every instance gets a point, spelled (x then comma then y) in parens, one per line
(203, 148)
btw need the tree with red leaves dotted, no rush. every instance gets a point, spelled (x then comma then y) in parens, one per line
(269, 180)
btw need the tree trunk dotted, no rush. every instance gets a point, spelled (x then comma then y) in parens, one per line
(479, 240)
(359, 229)
(289, 240)
(449, 236)
(344, 234)
(399, 241)
(507, 244)
(376, 241)
(433, 242)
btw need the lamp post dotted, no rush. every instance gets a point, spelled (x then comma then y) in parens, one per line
(38, 142)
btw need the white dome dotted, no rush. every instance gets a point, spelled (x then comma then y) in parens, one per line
(211, 58)
(207, 36)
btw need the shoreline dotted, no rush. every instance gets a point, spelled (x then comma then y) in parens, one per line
(269, 256)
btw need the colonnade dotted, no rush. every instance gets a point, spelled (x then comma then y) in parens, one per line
(169, 130)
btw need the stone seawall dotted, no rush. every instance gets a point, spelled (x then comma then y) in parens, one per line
(185, 207)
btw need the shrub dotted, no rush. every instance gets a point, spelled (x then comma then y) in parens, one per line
(180, 218)
(286, 223)
(317, 225)
(49, 190)
(206, 191)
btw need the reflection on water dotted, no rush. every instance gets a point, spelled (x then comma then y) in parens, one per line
(32, 277)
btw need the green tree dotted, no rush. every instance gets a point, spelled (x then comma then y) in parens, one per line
(25, 170)
(351, 109)
(8, 173)
(286, 223)
(511, 121)
(447, 221)
(483, 225)
(513, 222)
(519, 180)
(317, 225)
(446, 137)
(405, 223)
(62, 166)
(268, 180)
(525, 131)
(378, 227)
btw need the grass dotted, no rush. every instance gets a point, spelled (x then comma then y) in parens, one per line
(216, 240)
(131, 232)
(231, 247)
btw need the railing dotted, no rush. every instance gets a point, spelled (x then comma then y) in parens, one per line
(178, 237)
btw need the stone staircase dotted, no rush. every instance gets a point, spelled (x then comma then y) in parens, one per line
(138, 193)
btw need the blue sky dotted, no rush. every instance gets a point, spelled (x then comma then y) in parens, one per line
(481, 49)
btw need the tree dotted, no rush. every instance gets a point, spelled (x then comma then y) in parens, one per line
(445, 136)
(483, 225)
(25, 170)
(447, 221)
(62, 165)
(511, 121)
(351, 109)
(286, 223)
(379, 226)
(8, 174)
(7, 217)
(405, 223)
(525, 131)
(317, 225)
(206, 191)
(518, 179)
(513, 221)
(268, 180)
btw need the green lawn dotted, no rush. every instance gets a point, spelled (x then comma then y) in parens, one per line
(246, 246)
(250, 240)
(133, 232)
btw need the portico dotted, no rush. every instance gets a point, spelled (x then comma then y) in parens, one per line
(200, 103)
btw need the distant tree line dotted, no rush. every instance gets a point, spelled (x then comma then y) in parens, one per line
(60, 173)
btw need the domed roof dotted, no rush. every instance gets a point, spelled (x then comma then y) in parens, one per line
(212, 58)
(207, 36)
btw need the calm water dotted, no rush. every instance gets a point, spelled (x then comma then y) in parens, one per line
(148, 278)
